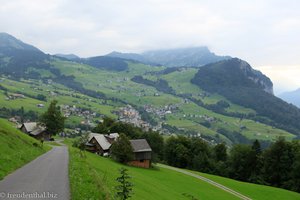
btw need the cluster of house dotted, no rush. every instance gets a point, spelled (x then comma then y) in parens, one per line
(76, 111)
(161, 111)
(15, 96)
(101, 144)
(73, 110)
(205, 117)
(130, 115)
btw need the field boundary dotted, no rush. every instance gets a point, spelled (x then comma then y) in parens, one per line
(218, 185)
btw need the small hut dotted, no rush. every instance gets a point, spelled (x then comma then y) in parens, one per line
(142, 153)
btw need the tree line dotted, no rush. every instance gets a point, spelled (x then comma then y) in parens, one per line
(21, 112)
(277, 165)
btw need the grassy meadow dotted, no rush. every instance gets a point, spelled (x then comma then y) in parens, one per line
(253, 191)
(93, 177)
(16, 148)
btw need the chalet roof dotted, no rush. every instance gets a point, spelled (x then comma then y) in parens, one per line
(101, 140)
(91, 135)
(30, 126)
(37, 131)
(140, 145)
(33, 128)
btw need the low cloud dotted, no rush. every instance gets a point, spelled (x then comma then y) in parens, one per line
(262, 32)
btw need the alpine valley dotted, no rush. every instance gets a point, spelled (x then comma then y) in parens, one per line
(189, 91)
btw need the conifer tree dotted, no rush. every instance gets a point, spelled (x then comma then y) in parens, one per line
(124, 189)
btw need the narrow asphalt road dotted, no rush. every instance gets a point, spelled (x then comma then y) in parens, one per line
(235, 193)
(44, 178)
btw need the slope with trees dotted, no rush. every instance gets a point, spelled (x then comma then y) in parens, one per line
(249, 89)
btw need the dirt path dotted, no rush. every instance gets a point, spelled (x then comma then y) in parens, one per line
(237, 194)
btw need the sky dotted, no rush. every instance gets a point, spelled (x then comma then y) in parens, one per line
(265, 33)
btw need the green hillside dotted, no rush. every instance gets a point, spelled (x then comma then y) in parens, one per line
(116, 84)
(253, 191)
(119, 90)
(172, 100)
(238, 82)
(93, 177)
(16, 148)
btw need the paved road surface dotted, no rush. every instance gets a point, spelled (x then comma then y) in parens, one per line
(44, 178)
(239, 195)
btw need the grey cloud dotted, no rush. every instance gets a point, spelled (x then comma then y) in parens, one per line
(263, 32)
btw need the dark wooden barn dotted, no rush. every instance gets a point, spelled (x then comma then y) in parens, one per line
(142, 153)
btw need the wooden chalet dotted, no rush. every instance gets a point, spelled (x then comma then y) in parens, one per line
(100, 144)
(35, 130)
(142, 153)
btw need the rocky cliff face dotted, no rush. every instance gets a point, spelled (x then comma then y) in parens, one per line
(256, 76)
(230, 74)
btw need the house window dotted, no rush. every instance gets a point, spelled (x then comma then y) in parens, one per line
(142, 160)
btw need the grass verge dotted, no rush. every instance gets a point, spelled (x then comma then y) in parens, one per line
(16, 148)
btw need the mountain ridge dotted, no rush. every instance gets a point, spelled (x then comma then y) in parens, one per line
(16, 57)
(8, 41)
(178, 57)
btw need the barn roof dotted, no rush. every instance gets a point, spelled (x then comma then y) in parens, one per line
(140, 145)
(37, 131)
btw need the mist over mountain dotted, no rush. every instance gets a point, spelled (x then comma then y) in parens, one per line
(184, 57)
(131, 56)
(291, 97)
(179, 57)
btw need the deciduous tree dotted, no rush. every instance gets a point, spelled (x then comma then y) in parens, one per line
(121, 149)
(53, 119)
